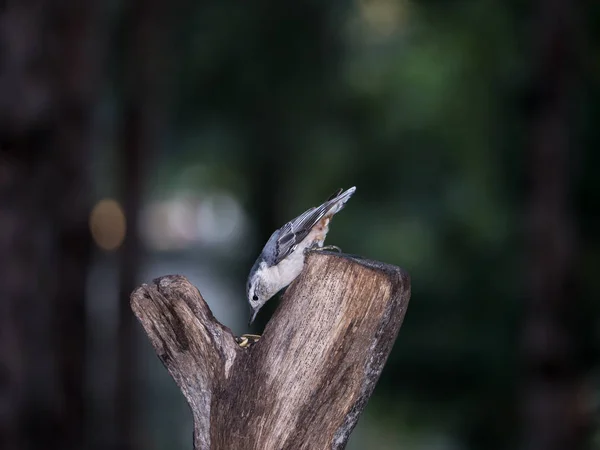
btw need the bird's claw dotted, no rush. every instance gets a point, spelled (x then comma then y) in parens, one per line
(246, 340)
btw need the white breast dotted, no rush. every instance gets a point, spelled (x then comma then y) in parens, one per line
(279, 276)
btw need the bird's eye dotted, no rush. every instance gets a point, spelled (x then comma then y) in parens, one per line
(254, 297)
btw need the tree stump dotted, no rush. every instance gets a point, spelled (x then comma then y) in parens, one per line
(304, 384)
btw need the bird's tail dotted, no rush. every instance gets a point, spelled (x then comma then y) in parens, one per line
(338, 201)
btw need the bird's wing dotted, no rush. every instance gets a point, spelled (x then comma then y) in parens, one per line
(284, 240)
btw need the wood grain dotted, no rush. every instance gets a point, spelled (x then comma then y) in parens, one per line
(304, 384)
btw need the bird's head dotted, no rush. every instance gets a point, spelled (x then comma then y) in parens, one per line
(256, 291)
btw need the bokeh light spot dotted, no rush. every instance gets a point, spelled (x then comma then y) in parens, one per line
(108, 224)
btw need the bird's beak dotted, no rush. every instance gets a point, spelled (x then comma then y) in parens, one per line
(253, 317)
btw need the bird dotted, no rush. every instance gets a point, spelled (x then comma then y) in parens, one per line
(282, 257)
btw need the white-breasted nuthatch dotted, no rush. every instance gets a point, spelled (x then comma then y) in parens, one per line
(282, 257)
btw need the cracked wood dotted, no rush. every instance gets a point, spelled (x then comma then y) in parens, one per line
(304, 384)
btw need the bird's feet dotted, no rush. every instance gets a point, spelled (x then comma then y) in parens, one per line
(329, 247)
(246, 340)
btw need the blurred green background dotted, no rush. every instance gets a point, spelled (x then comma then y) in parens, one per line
(145, 138)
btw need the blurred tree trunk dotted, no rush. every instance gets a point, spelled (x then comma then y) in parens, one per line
(276, 123)
(143, 120)
(554, 417)
(50, 63)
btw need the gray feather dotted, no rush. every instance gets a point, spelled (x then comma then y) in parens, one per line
(269, 253)
(283, 241)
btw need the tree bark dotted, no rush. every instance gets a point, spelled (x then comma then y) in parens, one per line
(304, 384)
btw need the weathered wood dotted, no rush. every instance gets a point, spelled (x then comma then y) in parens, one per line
(304, 384)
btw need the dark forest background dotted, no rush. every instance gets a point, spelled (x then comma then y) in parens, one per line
(147, 137)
